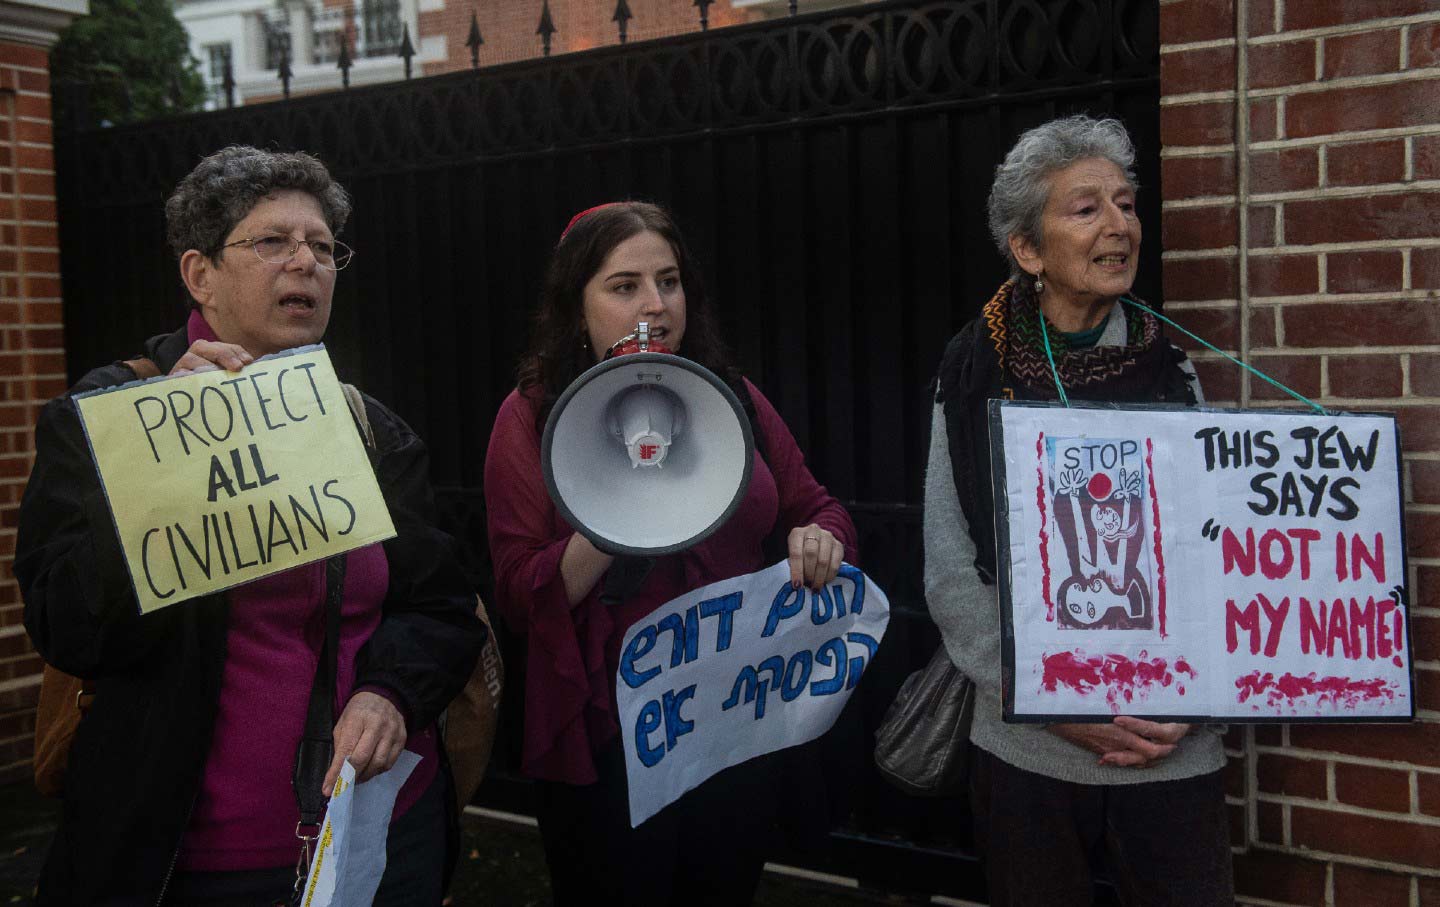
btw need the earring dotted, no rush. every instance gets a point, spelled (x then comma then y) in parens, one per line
(1039, 283)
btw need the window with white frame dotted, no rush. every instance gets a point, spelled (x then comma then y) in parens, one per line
(215, 56)
(380, 28)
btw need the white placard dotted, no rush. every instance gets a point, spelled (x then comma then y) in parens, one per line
(737, 669)
(1200, 564)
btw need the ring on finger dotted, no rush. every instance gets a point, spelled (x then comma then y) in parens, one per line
(813, 538)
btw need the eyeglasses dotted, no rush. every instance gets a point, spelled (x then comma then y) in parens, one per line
(277, 248)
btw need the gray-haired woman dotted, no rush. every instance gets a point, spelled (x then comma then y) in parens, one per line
(178, 788)
(1046, 798)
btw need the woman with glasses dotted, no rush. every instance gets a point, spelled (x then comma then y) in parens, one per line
(179, 783)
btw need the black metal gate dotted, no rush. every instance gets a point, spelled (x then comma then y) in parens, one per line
(830, 172)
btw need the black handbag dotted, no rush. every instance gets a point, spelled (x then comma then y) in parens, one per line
(923, 745)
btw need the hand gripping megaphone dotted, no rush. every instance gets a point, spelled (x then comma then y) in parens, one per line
(647, 453)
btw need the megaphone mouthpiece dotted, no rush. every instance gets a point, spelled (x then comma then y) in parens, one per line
(646, 419)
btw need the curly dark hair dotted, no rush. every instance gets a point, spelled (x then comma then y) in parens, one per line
(558, 354)
(225, 186)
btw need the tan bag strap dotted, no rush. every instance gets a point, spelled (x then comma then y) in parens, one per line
(144, 367)
(357, 409)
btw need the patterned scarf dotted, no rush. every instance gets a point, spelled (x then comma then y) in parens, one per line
(1013, 317)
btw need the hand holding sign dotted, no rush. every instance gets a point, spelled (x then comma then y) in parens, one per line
(815, 556)
(1127, 742)
(205, 355)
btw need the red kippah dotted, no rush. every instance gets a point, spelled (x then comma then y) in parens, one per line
(577, 218)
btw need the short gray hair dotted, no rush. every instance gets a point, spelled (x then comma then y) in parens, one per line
(224, 187)
(1022, 181)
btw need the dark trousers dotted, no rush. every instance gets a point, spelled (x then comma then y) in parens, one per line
(707, 848)
(414, 867)
(1163, 842)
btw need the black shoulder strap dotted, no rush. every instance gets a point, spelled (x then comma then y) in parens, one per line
(747, 403)
(774, 548)
(317, 745)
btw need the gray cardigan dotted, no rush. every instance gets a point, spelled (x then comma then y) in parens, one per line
(967, 613)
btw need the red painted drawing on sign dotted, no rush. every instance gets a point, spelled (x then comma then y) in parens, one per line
(1287, 689)
(1044, 536)
(1159, 549)
(1121, 678)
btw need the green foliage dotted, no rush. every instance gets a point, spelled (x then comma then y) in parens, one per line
(128, 60)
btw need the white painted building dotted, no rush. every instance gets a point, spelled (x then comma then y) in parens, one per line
(253, 34)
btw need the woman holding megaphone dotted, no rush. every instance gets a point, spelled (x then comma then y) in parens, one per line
(616, 266)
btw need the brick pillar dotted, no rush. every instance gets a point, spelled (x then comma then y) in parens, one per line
(1301, 185)
(32, 355)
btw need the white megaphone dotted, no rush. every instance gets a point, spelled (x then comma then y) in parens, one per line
(647, 453)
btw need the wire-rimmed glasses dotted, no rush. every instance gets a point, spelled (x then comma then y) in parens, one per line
(277, 248)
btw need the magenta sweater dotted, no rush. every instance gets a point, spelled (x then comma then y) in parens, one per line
(244, 815)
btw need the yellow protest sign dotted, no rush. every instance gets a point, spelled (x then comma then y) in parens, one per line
(220, 478)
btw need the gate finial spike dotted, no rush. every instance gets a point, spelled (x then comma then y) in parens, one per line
(344, 62)
(473, 41)
(547, 27)
(285, 72)
(622, 17)
(407, 50)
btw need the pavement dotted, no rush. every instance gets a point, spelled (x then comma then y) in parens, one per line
(501, 862)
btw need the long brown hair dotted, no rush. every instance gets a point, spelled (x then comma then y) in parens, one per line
(558, 353)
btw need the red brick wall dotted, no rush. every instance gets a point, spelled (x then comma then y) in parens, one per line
(32, 356)
(1336, 162)
(508, 26)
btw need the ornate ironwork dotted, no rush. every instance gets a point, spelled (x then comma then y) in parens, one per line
(474, 40)
(950, 53)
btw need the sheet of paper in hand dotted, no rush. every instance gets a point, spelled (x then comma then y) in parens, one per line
(1192, 564)
(349, 859)
(737, 669)
(220, 478)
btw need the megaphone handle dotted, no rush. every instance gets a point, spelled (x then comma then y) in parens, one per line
(625, 576)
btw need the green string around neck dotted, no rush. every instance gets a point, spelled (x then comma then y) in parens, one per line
(1203, 342)
(1050, 356)
(1060, 388)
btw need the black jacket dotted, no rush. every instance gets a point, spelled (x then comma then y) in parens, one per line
(139, 755)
